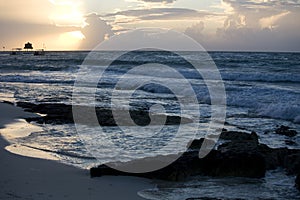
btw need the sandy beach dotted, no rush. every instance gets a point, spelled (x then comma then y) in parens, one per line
(35, 179)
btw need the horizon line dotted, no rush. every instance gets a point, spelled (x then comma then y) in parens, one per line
(226, 51)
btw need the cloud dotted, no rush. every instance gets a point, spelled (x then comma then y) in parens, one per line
(263, 4)
(254, 25)
(162, 14)
(55, 37)
(15, 33)
(195, 31)
(268, 22)
(158, 1)
(150, 38)
(95, 32)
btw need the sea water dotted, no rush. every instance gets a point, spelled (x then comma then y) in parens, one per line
(262, 92)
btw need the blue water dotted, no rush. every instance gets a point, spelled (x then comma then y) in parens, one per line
(262, 92)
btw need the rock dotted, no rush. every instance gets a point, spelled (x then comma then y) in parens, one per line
(62, 113)
(290, 142)
(297, 182)
(195, 144)
(177, 171)
(274, 158)
(227, 135)
(285, 130)
(236, 135)
(54, 113)
(229, 161)
(239, 158)
(7, 102)
(292, 162)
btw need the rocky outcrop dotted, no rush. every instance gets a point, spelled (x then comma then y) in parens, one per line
(53, 113)
(243, 156)
(238, 136)
(240, 159)
(291, 161)
(242, 164)
(62, 114)
(285, 130)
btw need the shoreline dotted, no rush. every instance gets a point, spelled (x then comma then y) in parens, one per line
(34, 178)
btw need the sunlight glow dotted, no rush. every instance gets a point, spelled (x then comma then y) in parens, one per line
(67, 13)
(76, 35)
(71, 40)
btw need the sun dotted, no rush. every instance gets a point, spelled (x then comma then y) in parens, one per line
(67, 13)
(76, 35)
(70, 40)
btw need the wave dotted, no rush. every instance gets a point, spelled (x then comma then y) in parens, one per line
(281, 111)
(262, 77)
(61, 152)
(43, 68)
(33, 79)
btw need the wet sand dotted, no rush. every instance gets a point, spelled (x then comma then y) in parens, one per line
(35, 179)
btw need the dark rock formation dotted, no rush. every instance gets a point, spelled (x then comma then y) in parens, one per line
(236, 135)
(240, 159)
(227, 135)
(177, 171)
(195, 144)
(285, 130)
(7, 102)
(62, 113)
(297, 182)
(243, 156)
(55, 113)
(292, 161)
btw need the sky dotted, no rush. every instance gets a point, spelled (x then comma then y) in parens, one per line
(230, 25)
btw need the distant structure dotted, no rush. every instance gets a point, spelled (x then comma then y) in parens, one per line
(16, 51)
(39, 52)
(28, 46)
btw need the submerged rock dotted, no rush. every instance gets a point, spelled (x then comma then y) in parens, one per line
(61, 114)
(297, 182)
(285, 130)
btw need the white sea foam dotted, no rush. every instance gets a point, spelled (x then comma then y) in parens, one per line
(281, 111)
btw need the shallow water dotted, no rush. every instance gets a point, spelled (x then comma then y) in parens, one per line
(276, 185)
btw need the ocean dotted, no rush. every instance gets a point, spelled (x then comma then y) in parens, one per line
(262, 93)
